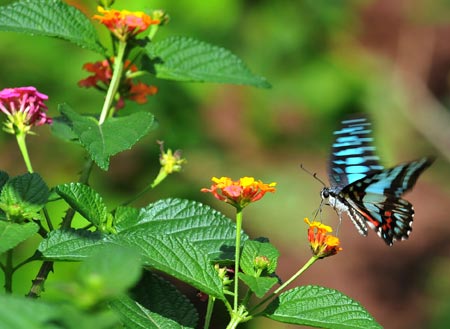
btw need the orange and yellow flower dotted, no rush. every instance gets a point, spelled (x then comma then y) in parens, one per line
(322, 244)
(101, 78)
(241, 192)
(124, 24)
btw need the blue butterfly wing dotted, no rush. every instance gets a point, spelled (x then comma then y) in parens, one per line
(376, 199)
(353, 155)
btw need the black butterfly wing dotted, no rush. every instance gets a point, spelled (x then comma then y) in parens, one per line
(376, 199)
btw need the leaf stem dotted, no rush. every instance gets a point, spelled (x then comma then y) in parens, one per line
(236, 258)
(20, 137)
(115, 81)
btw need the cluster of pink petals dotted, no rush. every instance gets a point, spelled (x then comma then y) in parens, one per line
(25, 100)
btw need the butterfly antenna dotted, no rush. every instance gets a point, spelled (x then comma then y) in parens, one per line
(314, 175)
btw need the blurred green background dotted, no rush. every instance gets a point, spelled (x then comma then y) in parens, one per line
(325, 59)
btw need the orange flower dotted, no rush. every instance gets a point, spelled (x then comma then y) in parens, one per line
(139, 92)
(101, 78)
(322, 244)
(124, 24)
(239, 193)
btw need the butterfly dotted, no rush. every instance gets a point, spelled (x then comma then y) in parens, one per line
(369, 193)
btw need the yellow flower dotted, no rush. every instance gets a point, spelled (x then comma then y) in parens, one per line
(239, 193)
(322, 244)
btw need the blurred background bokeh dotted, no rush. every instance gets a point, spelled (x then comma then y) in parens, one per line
(325, 59)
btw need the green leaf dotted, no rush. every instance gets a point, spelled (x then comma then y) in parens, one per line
(110, 271)
(134, 315)
(113, 136)
(22, 197)
(3, 179)
(156, 302)
(84, 200)
(319, 307)
(11, 234)
(187, 59)
(74, 245)
(61, 127)
(260, 286)
(200, 224)
(24, 313)
(176, 257)
(51, 18)
(255, 248)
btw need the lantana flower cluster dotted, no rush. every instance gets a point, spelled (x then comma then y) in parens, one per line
(322, 243)
(25, 108)
(101, 78)
(239, 193)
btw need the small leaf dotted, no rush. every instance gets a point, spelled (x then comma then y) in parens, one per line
(50, 18)
(187, 59)
(201, 225)
(319, 307)
(61, 127)
(84, 200)
(253, 249)
(260, 286)
(22, 197)
(154, 295)
(113, 136)
(11, 234)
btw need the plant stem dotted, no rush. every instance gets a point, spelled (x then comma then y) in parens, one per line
(115, 81)
(20, 137)
(284, 285)
(237, 258)
(47, 266)
(9, 271)
(209, 311)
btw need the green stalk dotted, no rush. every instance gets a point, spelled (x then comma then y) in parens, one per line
(9, 271)
(209, 311)
(285, 284)
(20, 137)
(237, 258)
(115, 81)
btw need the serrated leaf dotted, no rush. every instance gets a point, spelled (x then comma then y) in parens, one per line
(134, 315)
(51, 18)
(3, 179)
(71, 244)
(113, 136)
(23, 196)
(320, 307)
(155, 295)
(11, 234)
(176, 257)
(61, 128)
(200, 224)
(85, 201)
(255, 248)
(260, 286)
(188, 59)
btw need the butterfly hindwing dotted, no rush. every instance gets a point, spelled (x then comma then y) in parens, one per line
(369, 193)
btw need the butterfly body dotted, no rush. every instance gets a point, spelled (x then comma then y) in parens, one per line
(369, 193)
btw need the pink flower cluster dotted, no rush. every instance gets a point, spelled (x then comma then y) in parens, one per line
(26, 102)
